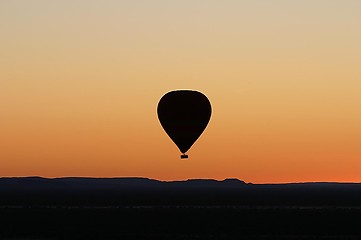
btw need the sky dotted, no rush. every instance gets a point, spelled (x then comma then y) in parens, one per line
(80, 82)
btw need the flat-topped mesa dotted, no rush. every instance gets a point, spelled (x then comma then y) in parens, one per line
(233, 182)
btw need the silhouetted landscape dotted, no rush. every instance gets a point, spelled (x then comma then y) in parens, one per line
(141, 208)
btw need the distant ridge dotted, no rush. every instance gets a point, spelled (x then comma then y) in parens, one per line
(138, 181)
(123, 178)
(124, 191)
(116, 183)
(233, 181)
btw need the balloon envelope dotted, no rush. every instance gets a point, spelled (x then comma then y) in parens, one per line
(184, 114)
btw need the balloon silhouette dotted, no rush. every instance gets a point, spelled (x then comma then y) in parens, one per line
(184, 114)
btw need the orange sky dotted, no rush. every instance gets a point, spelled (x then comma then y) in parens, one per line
(80, 82)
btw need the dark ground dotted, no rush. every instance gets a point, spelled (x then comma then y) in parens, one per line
(181, 223)
(195, 210)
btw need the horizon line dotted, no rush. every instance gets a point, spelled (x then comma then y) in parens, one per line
(182, 180)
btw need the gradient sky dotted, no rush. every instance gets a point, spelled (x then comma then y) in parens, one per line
(80, 82)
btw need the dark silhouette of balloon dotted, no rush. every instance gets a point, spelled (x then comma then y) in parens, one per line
(184, 114)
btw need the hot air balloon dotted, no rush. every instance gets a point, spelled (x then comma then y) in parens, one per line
(184, 115)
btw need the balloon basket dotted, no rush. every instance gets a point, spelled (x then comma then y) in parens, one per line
(184, 156)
